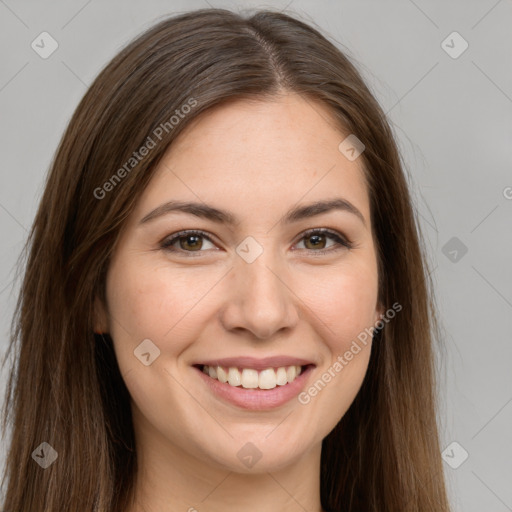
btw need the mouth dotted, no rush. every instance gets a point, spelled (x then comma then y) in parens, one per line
(255, 384)
(250, 378)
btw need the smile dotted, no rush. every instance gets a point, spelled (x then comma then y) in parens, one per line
(255, 384)
(249, 378)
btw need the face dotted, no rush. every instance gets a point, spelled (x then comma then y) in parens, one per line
(246, 286)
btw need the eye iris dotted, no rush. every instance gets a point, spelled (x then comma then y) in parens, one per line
(316, 237)
(187, 238)
(193, 242)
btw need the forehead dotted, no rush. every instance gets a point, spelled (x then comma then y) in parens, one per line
(288, 126)
(259, 154)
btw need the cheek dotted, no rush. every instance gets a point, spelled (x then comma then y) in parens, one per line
(345, 301)
(151, 302)
(346, 305)
(140, 308)
(135, 302)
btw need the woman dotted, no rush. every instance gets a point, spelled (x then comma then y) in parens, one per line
(287, 364)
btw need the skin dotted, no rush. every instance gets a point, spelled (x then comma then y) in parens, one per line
(257, 160)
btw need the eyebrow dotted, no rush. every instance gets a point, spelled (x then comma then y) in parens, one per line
(296, 214)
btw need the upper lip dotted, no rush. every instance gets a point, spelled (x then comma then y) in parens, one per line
(256, 363)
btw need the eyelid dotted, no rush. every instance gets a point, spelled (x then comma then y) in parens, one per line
(341, 240)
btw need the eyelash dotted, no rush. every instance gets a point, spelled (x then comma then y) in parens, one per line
(343, 242)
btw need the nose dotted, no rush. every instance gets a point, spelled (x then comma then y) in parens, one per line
(259, 299)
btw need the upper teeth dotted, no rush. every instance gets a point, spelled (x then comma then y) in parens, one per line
(250, 378)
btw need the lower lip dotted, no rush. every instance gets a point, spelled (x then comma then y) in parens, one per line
(257, 399)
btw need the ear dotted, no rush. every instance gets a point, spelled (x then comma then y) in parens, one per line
(100, 320)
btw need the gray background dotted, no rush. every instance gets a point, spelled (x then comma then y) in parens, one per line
(452, 118)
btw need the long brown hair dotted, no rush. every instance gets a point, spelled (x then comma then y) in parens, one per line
(65, 387)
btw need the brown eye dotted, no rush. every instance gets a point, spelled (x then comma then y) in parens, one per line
(192, 242)
(315, 241)
(186, 241)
